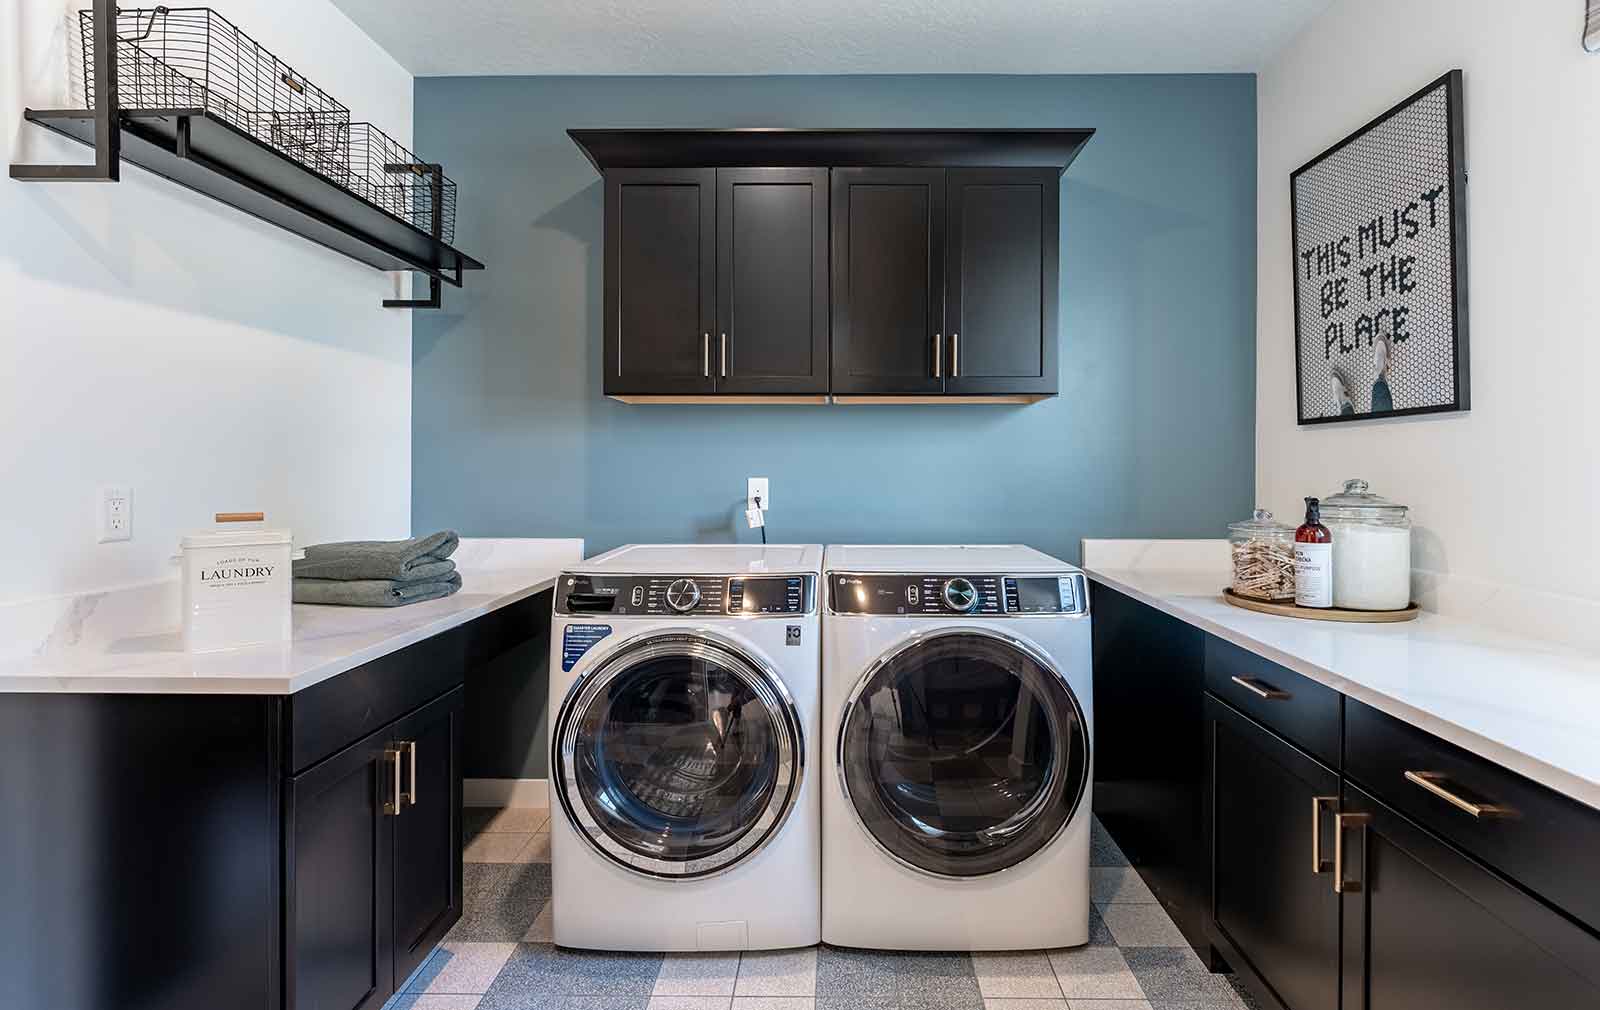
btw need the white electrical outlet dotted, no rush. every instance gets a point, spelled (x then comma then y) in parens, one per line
(757, 488)
(115, 511)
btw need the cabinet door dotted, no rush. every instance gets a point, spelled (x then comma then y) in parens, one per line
(1427, 928)
(338, 856)
(1274, 911)
(1001, 280)
(772, 280)
(660, 280)
(888, 279)
(427, 831)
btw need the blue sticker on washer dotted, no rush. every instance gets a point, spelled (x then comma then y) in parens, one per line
(578, 639)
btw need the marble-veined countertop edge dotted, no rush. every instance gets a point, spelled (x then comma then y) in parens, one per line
(1521, 702)
(127, 641)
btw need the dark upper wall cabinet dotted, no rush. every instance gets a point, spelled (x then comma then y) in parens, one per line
(883, 265)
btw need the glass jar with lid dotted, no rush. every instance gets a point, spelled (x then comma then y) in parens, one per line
(1263, 558)
(1371, 549)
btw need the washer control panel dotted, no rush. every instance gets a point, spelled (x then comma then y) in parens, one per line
(685, 595)
(965, 593)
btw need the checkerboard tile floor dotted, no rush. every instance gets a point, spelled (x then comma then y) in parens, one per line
(499, 956)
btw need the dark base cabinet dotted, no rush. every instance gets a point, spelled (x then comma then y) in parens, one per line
(250, 852)
(1351, 861)
(1149, 768)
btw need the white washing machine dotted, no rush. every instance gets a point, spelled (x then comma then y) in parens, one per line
(685, 693)
(957, 749)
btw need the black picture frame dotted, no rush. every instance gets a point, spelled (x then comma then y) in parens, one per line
(1452, 84)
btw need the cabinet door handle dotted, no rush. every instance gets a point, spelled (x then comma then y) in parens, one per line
(705, 354)
(1260, 688)
(938, 355)
(1340, 823)
(724, 355)
(955, 355)
(391, 757)
(1433, 783)
(409, 749)
(1319, 865)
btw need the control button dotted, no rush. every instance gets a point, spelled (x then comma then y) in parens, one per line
(960, 595)
(636, 598)
(682, 595)
(913, 594)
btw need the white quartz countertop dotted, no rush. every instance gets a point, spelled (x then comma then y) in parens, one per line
(1524, 703)
(129, 642)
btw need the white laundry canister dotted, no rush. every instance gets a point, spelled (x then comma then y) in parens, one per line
(237, 588)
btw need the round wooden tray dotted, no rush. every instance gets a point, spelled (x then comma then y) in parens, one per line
(1318, 614)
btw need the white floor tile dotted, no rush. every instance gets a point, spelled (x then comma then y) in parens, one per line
(1107, 1004)
(1012, 976)
(777, 973)
(542, 930)
(462, 968)
(524, 820)
(698, 975)
(439, 1002)
(538, 849)
(774, 1003)
(1095, 973)
(1028, 1003)
(1141, 926)
(500, 847)
(689, 1002)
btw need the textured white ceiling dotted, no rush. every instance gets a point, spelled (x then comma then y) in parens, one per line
(469, 37)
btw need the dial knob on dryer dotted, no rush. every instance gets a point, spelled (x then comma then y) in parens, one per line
(682, 595)
(960, 595)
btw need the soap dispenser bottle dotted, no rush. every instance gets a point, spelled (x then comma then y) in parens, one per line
(1313, 560)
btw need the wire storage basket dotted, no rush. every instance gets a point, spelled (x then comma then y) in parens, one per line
(176, 58)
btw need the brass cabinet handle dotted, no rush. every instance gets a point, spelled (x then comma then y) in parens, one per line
(391, 756)
(1340, 823)
(409, 749)
(938, 355)
(705, 355)
(1432, 782)
(955, 355)
(1260, 688)
(1318, 864)
(724, 355)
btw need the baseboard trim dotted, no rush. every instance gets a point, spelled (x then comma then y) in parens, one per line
(506, 793)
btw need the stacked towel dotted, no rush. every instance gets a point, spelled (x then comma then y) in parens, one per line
(378, 573)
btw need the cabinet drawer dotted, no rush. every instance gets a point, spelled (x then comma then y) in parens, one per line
(1539, 838)
(1296, 708)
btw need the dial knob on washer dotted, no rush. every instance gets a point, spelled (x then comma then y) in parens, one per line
(961, 595)
(682, 595)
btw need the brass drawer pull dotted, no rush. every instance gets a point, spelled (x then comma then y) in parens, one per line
(1260, 688)
(409, 749)
(1431, 781)
(1340, 822)
(391, 757)
(1318, 864)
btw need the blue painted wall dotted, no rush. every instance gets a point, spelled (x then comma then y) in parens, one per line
(1153, 434)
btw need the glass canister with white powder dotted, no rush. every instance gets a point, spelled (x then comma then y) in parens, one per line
(1371, 549)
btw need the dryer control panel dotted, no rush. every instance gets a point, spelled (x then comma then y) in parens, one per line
(955, 594)
(686, 595)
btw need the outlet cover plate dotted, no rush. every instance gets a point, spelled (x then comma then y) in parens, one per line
(755, 488)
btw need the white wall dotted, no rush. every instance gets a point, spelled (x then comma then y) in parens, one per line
(1506, 494)
(155, 338)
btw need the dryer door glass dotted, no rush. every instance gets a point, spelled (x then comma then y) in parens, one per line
(963, 754)
(678, 756)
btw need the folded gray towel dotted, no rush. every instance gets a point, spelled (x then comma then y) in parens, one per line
(378, 559)
(374, 592)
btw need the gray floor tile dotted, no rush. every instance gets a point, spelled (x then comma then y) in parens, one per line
(1099, 932)
(550, 970)
(1102, 850)
(858, 974)
(1109, 884)
(501, 900)
(940, 992)
(1244, 994)
(1174, 976)
(1141, 926)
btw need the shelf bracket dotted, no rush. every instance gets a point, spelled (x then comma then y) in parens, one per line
(435, 174)
(107, 165)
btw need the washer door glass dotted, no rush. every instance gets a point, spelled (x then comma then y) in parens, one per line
(678, 756)
(963, 754)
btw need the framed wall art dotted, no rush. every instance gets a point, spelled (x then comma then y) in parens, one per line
(1380, 265)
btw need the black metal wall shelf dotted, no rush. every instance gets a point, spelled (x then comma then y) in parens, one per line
(309, 170)
(202, 153)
